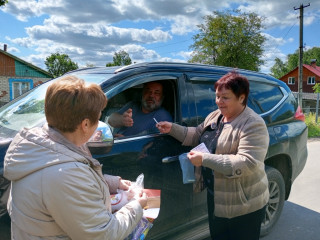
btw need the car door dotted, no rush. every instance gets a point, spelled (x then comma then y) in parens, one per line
(201, 92)
(144, 153)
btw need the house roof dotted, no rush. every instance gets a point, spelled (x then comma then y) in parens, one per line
(315, 70)
(26, 63)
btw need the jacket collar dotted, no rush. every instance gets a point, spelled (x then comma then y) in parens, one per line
(217, 113)
(56, 136)
(246, 111)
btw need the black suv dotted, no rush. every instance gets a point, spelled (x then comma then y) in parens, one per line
(189, 97)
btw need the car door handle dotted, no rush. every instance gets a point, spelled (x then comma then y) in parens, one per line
(170, 159)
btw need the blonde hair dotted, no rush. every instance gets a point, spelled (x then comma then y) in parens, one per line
(69, 101)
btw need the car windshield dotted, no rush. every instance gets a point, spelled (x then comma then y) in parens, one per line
(28, 109)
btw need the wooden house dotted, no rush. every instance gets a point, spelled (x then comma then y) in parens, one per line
(18, 76)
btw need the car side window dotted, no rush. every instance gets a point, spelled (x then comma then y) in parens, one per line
(205, 98)
(132, 98)
(263, 96)
(118, 101)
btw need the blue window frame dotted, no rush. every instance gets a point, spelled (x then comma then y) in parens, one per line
(18, 86)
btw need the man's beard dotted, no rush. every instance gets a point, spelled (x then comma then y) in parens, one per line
(150, 107)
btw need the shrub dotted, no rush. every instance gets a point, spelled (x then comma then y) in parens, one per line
(313, 127)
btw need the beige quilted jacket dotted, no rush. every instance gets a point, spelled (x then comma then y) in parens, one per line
(58, 191)
(240, 181)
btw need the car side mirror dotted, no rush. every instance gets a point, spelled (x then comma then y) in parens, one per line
(101, 140)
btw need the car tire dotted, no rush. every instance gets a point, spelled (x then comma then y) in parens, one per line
(276, 200)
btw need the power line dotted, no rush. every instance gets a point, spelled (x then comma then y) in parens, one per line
(289, 30)
(285, 35)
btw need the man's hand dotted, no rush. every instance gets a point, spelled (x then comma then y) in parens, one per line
(118, 120)
(127, 120)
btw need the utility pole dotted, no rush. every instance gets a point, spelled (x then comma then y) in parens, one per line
(300, 80)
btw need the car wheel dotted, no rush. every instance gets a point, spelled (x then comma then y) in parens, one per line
(276, 200)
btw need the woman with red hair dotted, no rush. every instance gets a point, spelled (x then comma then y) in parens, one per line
(237, 141)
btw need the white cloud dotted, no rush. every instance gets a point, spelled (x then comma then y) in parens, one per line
(24, 42)
(85, 42)
(269, 57)
(36, 59)
(281, 13)
(273, 42)
(138, 53)
(307, 48)
(184, 24)
(290, 39)
(84, 34)
(25, 9)
(272, 51)
(184, 54)
(167, 59)
(91, 31)
(9, 49)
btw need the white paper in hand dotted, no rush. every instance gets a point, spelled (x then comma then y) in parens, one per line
(201, 148)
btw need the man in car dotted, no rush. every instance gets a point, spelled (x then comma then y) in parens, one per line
(141, 117)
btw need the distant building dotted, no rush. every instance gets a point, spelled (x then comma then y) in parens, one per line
(310, 76)
(18, 76)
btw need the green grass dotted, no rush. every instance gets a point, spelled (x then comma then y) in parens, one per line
(313, 127)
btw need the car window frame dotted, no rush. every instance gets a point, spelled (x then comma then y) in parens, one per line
(140, 79)
(263, 80)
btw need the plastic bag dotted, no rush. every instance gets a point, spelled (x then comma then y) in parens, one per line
(144, 225)
(123, 197)
(187, 169)
(139, 183)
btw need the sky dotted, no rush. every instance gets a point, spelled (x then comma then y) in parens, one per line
(90, 32)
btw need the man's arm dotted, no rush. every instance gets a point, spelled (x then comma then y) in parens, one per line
(122, 118)
(116, 120)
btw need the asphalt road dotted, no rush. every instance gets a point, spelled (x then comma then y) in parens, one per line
(300, 219)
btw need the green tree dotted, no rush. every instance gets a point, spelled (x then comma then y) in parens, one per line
(120, 58)
(279, 68)
(230, 38)
(58, 64)
(312, 53)
(316, 88)
(110, 64)
(3, 2)
(293, 61)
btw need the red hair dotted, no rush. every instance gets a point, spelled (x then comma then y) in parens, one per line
(235, 82)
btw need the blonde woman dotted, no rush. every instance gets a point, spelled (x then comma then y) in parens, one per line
(58, 190)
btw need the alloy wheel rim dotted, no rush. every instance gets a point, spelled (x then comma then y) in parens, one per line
(273, 203)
